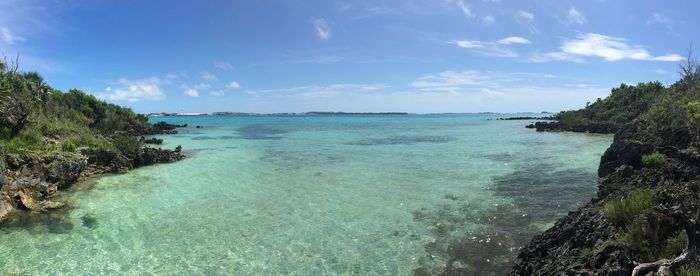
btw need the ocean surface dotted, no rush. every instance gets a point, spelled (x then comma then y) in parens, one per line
(317, 195)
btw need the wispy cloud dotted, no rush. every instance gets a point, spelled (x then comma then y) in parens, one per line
(208, 76)
(525, 15)
(133, 90)
(606, 47)
(202, 86)
(449, 81)
(466, 10)
(217, 93)
(9, 37)
(488, 20)
(513, 40)
(492, 48)
(322, 29)
(575, 17)
(501, 84)
(189, 91)
(233, 85)
(470, 79)
(316, 91)
(223, 65)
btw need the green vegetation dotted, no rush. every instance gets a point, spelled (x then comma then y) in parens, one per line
(640, 225)
(624, 104)
(654, 159)
(36, 118)
(689, 271)
(622, 212)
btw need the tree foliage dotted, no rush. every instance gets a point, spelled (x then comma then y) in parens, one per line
(34, 116)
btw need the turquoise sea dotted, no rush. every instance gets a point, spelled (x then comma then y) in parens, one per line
(317, 195)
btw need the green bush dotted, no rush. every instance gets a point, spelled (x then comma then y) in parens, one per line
(694, 110)
(127, 144)
(689, 270)
(621, 212)
(675, 245)
(68, 147)
(654, 159)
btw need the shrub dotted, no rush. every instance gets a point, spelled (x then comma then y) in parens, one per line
(675, 245)
(622, 212)
(694, 110)
(654, 159)
(68, 147)
(127, 144)
(689, 270)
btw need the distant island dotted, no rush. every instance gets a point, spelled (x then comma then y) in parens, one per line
(165, 114)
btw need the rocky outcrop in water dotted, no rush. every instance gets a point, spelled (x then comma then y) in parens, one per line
(28, 182)
(598, 127)
(153, 129)
(582, 243)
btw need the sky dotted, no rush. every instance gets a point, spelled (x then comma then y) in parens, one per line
(420, 56)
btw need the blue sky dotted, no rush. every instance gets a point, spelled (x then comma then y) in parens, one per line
(325, 55)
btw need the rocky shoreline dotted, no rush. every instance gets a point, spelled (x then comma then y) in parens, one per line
(583, 242)
(556, 126)
(29, 182)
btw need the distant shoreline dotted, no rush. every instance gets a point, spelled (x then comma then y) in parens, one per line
(323, 113)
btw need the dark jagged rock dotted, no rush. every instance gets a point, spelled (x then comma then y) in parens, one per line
(152, 141)
(522, 118)
(28, 181)
(598, 127)
(560, 250)
(140, 129)
(34, 179)
(149, 156)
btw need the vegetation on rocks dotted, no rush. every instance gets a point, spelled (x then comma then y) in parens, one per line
(49, 139)
(645, 218)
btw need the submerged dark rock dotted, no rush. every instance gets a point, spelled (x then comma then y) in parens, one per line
(260, 132)
(89, 221)
(402, 140)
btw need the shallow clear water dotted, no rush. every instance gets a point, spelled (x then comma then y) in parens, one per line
(317, 195)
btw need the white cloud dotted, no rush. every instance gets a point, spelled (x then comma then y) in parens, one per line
(575, 17)
(514, 40)
(488, 20)
(233, 85)
(557, 56)
(201, 86)
(448, 80)
(477, 80)
(217, 93)
(448, 91)
(134, 90)
(525, 15)
(465, 9)
(208, 76)
(223, 65)
(659, 18)
(492, 48)
(10, 38)
(322, 29)
(319, 91)
(191, 92)
(610, 49)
